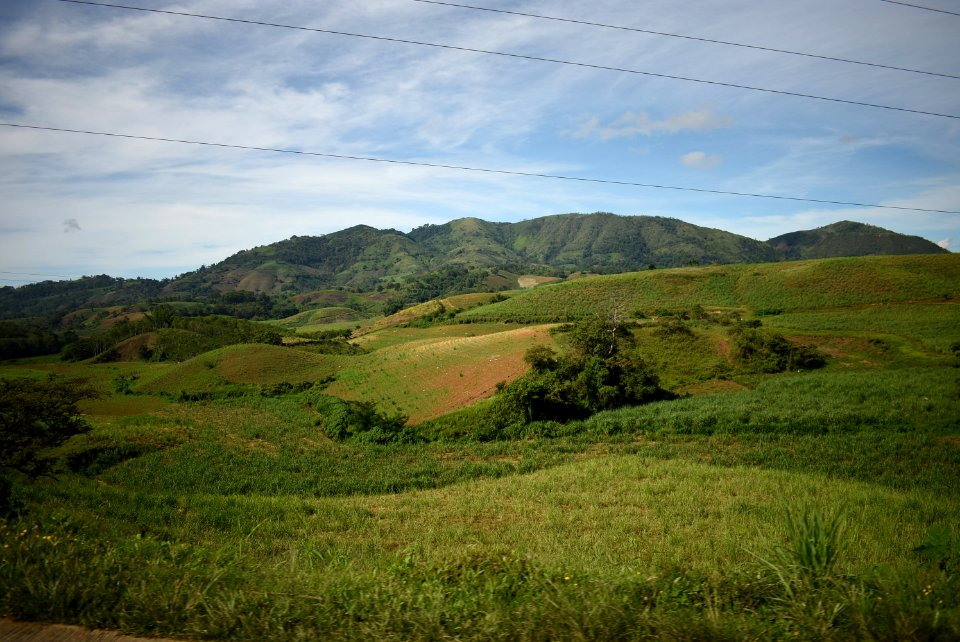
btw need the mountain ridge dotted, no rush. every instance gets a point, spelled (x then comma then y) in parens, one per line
(467, 253)
(362, 257)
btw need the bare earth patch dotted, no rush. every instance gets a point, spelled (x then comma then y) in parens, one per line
(11, 631)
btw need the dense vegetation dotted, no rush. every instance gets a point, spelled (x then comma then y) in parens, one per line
(657, 468)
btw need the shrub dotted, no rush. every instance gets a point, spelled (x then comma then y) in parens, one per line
(672, 328)
(756, 351)
(360, 421)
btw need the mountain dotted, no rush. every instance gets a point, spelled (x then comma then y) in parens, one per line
(362, 257)
(848, 238)
(466, 254)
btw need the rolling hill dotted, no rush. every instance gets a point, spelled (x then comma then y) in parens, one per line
(848, 238)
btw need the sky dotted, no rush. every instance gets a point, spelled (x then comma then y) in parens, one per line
(76, 204)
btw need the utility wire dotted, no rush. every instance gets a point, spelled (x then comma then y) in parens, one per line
(472, 169)
(685, 37)
(917, 6)
(519, 56)
(60, 276)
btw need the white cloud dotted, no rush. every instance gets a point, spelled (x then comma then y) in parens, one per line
(945, 243)
(630, 124)
(700, 160)
(174, 205)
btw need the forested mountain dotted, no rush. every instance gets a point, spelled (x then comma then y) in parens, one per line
(362, 257)
(848, 238)
(464, 254)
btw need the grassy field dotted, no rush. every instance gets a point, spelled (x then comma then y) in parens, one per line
(815, 505)
(794, 286)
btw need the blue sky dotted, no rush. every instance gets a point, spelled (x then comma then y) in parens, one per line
(76, 204)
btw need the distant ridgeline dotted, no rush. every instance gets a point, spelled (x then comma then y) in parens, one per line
(437, 260)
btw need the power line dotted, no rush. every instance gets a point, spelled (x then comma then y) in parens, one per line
(59, 276)
(521, 57)
(685, 37)
(917, 6)
(473, 169)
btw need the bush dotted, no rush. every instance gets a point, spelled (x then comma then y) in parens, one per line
(360, 421)
(37, 415)
(756, 351)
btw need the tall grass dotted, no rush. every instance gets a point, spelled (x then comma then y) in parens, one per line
(935, 325)
(621, 547)
(809, 403)
(708, 517)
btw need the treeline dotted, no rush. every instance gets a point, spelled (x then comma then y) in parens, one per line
(20, 340)
(52, 299)
(175, 337)
(435, 285)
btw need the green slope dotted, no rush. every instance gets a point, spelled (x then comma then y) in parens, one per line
(760, 288)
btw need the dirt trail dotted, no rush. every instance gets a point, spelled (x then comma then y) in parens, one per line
(11, 631)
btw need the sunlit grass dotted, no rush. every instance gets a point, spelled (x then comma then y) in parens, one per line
(934, 325)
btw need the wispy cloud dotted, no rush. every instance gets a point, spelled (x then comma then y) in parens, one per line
(167, 208)
(700, 160)
(631, 124)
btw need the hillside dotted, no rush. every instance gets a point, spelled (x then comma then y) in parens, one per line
(280, 488)
(761, 288)
(464, 255)
(848, 238)
(364, 258)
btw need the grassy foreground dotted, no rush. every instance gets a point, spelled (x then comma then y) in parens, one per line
(816, 505)
(243, 523)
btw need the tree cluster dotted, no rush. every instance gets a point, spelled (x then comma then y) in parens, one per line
(360, 421)
(756, 351)
(601, 371)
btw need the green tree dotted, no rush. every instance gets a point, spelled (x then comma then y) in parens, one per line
(756, 351)
(36, 416)
(602, 371)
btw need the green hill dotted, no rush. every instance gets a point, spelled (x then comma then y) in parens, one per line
(758, 288)
(464, 255)
(364, 258)
(238, 365)
(847, 238)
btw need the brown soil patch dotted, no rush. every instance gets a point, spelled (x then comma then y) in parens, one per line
(531, 281)
(724, 346)
(11, 631)
(950, 440)
(478, 380)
